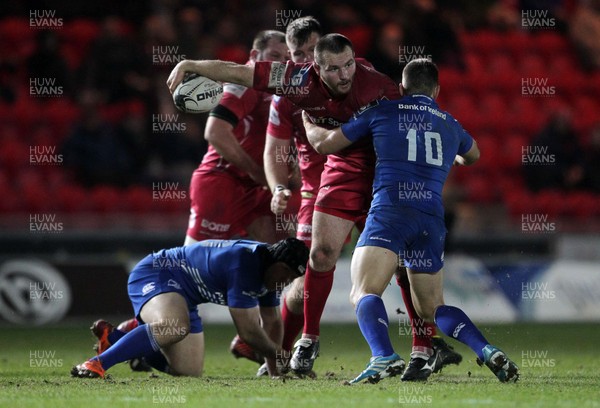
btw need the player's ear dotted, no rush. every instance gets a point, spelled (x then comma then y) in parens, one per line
(401, 89)
(436, 92)
(254, 55)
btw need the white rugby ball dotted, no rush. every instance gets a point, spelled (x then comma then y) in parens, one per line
(197, 94)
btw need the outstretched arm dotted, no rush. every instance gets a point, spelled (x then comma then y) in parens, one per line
(247, 323)
(324, 141)
(222, 71)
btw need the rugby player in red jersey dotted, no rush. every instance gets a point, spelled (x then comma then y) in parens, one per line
(228, 190)
(331, 90)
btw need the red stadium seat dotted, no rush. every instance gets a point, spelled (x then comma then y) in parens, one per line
(138, 200)
(106, 199)
(72, 198)
(550, 43)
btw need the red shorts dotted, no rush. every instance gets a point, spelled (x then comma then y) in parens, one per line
(305, 218)
(222, 206)
(345, 195)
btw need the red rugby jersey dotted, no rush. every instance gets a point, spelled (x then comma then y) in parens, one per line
(250, 109)
(301, 85)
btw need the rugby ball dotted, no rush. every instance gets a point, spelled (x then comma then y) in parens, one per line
(197, 94)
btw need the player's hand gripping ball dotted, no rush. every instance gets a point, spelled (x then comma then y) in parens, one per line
(197, 94)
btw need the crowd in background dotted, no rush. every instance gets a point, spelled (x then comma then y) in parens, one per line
(122, 65)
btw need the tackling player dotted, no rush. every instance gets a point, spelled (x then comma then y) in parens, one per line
(416, 143)
(166, 287)
(331, 89)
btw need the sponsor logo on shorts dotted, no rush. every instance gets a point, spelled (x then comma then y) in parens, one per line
(174, 284)
(215, 227)
(305, 228)
(380, 239)
(148, 287)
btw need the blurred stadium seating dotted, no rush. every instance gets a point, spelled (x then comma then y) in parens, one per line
(486, 98)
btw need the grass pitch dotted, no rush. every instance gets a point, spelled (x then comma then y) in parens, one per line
(559, 368)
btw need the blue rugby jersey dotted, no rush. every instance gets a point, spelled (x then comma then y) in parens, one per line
(224, 272)
(415, 143)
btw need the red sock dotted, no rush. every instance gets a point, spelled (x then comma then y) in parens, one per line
(292, 324)
(317, 286)
(421, 330)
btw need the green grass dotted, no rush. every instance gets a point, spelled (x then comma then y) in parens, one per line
(563, 372)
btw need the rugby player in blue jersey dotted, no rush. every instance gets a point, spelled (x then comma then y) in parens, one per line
(416, 144)
(166, 287)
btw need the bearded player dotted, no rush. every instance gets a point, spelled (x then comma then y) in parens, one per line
(324, 89)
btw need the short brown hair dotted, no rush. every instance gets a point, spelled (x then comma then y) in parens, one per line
(263, 37)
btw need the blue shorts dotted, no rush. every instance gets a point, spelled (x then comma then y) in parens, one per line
(147, 280)
(417, 237)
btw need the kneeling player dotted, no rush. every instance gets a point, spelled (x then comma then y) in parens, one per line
(166, 287)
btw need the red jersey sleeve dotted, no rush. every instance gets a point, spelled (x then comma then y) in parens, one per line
(280, 119)
(238, 100)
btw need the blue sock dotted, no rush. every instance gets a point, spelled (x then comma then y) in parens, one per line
(138, 342)
(455, 323)
(373, 323)
(115, 335)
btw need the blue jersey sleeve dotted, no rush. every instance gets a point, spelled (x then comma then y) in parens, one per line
(465, 140)
(357, 127)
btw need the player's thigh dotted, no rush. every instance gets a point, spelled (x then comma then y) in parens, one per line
(372, 269)
(187, 356)
(329, 233)
(166, 307)
(262, 229)
(427, 292)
